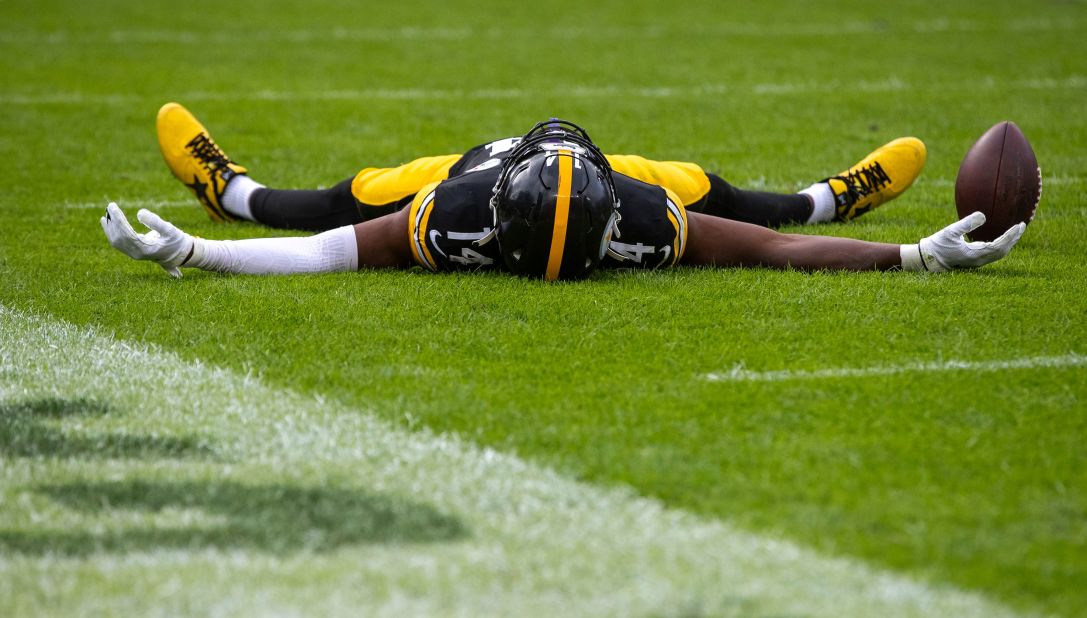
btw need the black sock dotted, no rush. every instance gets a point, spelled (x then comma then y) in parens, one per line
(765, 209)
(316, 211)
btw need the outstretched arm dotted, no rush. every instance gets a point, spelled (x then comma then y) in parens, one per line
(384, 242)
(378, 243)
(712, 241)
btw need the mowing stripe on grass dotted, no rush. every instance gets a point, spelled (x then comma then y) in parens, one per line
(427, 33)
(1050, 180)
(741, 374)
(127, 203)
(532, 542)
(680, 91)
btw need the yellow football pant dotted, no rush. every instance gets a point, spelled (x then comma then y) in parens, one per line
(381, 186)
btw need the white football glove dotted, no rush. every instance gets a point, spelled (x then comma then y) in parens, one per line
(164, 244)
(947, 249)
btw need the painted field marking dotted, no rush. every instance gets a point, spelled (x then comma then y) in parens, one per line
(150, 204)
(740, 374)
(429, 33)
(537, 543)
(891, 84)
(1047, 180)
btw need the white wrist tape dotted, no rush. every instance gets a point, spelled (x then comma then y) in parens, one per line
(332, 251)
(911, 258)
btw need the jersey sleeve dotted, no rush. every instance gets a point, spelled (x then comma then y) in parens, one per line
(677, 217)
(450, 229)
(418, 226)
(652, 228)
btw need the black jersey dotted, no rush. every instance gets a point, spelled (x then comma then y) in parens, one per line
(451, 220)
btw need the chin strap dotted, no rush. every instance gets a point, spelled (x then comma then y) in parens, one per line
(486, 238)
(614, 233)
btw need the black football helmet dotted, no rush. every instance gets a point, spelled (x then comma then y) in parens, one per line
(554, 204)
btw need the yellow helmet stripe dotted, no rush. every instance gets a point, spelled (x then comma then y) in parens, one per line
(562, 214)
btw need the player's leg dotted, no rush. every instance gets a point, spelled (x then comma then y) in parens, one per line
(881, 176)
(227, 193)
(711, 194)
(758, 207)
(876, 179)
(314, 210)
(378, 191)
(372, 193)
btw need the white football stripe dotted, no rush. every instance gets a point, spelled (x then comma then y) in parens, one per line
(1047, 180)
(537, 544)
(740, 374)
(892, 84)
(150, 204)
(431, 33)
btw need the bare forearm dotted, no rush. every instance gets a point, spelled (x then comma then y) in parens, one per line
(827, 252)
(384, 242)
(713, 241)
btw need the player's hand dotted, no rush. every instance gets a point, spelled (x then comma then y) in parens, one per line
(164, 244)
(947, 249)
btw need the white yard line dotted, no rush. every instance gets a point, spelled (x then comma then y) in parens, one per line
(429, 33)
(537, 543)
(741, 374)
(128, 203)
(1047, 181)
(888, 85)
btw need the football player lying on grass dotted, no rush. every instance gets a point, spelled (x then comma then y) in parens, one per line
(548, 204)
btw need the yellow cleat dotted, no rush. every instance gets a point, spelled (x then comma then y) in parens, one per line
(195, 159)
(880, 177)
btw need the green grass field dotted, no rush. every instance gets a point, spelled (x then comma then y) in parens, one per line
(405, 443)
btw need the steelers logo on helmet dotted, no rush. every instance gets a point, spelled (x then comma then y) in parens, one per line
(554, 204)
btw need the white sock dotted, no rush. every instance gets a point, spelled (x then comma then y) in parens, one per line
(328, 252)
(236, 196)
(823, 200)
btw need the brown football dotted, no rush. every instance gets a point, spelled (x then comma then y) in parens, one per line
(1000, 177)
